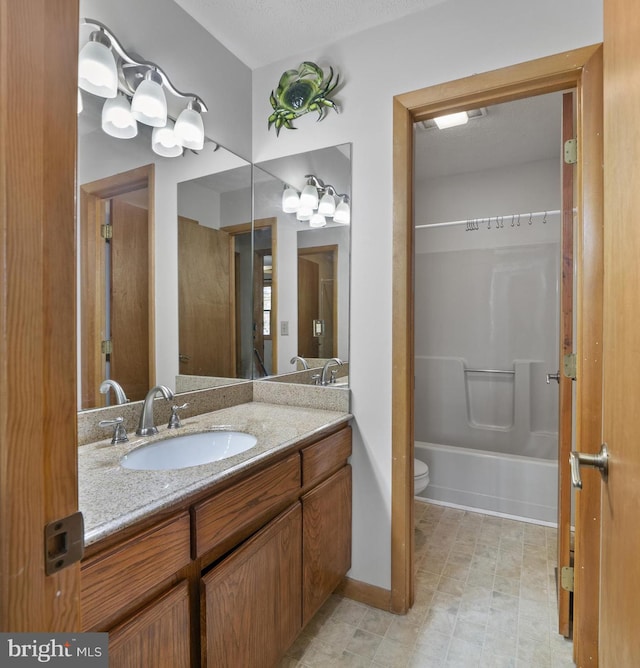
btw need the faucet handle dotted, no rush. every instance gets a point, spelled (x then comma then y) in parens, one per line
(119, 430)
(174, 420)
(315, 379)
(334, 375)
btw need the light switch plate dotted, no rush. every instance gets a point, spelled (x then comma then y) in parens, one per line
(284, 328)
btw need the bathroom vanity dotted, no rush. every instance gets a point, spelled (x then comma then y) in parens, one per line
(230, 565)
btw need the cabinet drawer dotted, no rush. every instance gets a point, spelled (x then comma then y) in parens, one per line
(114, 578)
(232, 514)
(325, 456)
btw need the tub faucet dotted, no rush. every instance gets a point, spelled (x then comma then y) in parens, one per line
(121, 397)
(302, 360)
(146, 426)
(330, 362)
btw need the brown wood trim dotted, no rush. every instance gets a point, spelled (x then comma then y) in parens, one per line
(322, 458)
(535, 77)
(565, 388)
(376, 597)
(589, 389)
(402, 536)
(119, 184)
(38, 450)
(518, 81)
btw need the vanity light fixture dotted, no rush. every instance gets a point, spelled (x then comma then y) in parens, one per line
(316, 203)
(106, 70)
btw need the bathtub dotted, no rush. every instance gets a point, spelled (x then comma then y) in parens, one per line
(519, 486)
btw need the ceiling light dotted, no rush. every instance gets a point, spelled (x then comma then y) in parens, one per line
(97, 71)
(164, 141)
(451, 120)
(117, 119)
(149, 104)
(190, 128)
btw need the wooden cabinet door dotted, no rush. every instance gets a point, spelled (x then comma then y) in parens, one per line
(158, 635)
(251, 601)
(326, 540)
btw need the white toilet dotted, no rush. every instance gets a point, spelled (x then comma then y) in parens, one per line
(420, 476)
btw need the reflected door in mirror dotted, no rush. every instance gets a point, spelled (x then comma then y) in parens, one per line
(205, 307)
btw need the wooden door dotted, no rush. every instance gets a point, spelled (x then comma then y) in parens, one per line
(251, 607)
(205, 313)
(130, 299)
(565, 393)
(38, 449)
(620, 560)
(308, 306)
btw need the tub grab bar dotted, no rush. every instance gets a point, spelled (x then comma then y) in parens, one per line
(510, 373)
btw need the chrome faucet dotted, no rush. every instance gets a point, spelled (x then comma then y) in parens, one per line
(146, 426)
(121, 397)
(302, 360)
(330, 362)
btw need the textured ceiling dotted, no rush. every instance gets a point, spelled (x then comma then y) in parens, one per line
(260, 32)
(511, 133)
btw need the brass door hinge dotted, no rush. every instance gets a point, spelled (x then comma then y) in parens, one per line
(571, 151)
(106, 347)
(63, 543)
(566, 578)
(106, 231)
(570, 364)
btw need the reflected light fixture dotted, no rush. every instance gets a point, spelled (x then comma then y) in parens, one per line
(316, 203)
(97, 70)
(117, 119)
(106, 70)
(451, 120)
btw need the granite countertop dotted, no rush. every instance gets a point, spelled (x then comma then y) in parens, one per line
(112, 497)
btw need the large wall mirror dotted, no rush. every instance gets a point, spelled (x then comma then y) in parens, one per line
(312, 264)
(190, 273)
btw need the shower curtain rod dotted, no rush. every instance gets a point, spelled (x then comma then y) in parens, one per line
(509, 220)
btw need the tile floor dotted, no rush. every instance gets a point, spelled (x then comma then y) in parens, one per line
(485, 596)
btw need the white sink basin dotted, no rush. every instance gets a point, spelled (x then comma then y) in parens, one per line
(181, 452)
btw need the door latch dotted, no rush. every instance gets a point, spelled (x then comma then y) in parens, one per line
(599, 461)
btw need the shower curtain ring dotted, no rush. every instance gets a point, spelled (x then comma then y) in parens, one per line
(488, 223)
(513, 217)
(530, 219)
(544, 220)
(518, 223)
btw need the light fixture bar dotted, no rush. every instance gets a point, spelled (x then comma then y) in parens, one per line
(118, 48)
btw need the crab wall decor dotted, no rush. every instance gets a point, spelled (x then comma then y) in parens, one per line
(299, 92)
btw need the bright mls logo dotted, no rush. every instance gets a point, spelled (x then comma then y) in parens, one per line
(89, 650)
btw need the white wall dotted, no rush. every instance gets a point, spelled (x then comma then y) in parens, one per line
(455, 39)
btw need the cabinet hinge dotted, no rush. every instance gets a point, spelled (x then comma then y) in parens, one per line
(566, 578)
(63, 543)
(571, 151)
(570, 363)
(106, 231)
(106, 347)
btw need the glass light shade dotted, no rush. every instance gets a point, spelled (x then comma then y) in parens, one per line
(149, 104)
(317, 220)
(327, 205)
(290, 200)
(190, 128)
(164, 142)
(117, 119)
(342, 214)
(97, 71)
(304, 213)
(309, 197)
(80, 105)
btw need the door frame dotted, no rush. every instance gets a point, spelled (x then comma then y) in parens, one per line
(573, 69)
(92, 273)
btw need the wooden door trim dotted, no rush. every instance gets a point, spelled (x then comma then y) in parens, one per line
(92, 197)
(536, 77)
(38, 447)
(243, 228)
